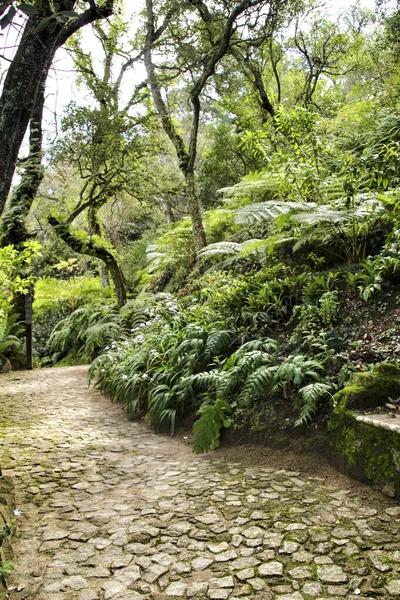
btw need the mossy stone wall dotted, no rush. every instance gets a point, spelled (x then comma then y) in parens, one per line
(7, 506)
(368, 452)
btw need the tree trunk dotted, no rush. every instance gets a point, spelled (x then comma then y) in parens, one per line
(13, 227)
(199, 235)
(95, 229)
(104, 279)
(28, 70)
(168, 212)
(93, 248)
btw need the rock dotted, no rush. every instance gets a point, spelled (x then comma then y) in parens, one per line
(244, 562)
(272, 540)
(245, 574)
(154, 572)
(272, 569)
(393, 587)
(218, 594)
(199, 564)
(226, 556)
(331, 574)
(5, 366)
(128, 575)
(222, 582)
(88, 595)
(256, 583)
(208, 518)
(177, 589)
(289, 548)
(54, 534)
(198, 588)
(253, 533)
(312, 589)
(393, 511)
(216, 548)
(75, 583)
(301, 573)
(323, 560)
(112, 588)
(99, 573)
(338, 590)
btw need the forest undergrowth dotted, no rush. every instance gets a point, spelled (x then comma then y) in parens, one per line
(233, 263)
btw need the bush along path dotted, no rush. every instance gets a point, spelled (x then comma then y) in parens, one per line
(110, 510)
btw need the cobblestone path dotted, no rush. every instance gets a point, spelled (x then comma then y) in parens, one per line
(109, 510)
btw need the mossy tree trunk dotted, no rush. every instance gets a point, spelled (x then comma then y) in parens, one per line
(26, 74)
(13, 226)
(93, 247)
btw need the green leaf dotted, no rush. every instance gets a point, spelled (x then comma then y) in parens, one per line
(43, 24)
(61, 18)
(7, 19)
(69, 13)
(28, 9)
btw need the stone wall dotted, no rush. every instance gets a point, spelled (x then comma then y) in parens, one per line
(363, 436)
(7, 520)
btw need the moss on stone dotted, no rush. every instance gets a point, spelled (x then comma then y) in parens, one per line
(370, 453)
(371, 389)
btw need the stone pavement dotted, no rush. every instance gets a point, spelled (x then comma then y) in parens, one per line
(112, 511)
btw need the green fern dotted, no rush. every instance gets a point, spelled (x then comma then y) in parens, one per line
(100, 335)
(311, 396)
(269, 211)
(207, 429)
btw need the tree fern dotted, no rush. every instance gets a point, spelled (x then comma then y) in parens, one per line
(268, 211)
(233, 248)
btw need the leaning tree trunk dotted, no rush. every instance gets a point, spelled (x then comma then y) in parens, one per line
(92, 247)
(13, 225)
(28, 70)
(95, 229)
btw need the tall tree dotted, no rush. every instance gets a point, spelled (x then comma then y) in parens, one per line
(103, 145)
(197, 35)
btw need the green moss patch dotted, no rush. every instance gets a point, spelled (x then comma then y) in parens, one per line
(371, 389)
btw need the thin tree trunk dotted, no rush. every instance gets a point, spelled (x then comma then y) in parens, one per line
(199, 235)
(168, 212)
(90, 247)
(94, 228)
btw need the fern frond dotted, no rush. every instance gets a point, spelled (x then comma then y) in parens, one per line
(218, 342)
(207, 429)
(268, 211)
(257, 383)
(220, 248)
(311, 395)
